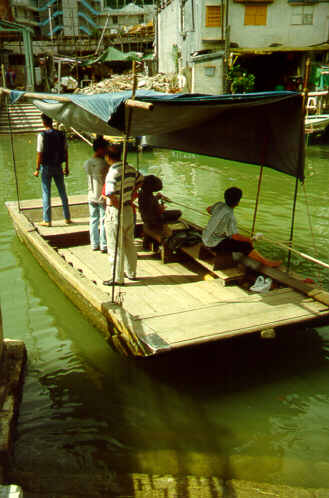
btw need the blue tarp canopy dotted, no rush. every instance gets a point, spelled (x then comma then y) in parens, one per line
(257, 128)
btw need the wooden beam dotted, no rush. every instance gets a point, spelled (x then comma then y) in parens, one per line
(137, 104)
(147, 106)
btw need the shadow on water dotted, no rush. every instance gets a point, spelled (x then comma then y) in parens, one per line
(87, 409)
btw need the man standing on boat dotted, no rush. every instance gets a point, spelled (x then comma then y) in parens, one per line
(132, 181)
(51, 153)
(96, 169)
(221, 233)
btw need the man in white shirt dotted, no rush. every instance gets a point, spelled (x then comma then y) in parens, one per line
(96, 169)
(132, 181)
(221, 233)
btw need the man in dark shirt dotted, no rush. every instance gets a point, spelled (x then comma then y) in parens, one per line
(51, 153)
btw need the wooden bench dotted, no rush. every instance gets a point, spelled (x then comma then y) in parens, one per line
(218, 265)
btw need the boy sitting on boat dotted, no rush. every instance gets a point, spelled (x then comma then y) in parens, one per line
(221, 233)
(151, 207)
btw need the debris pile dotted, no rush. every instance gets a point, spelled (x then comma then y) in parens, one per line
(120, 82)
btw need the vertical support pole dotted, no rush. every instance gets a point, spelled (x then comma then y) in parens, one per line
(260, 178)
(293, 215)
(50, 24)
(3, 75)
(29, 64)
(13, 155)
(119, 238)
(59, 76)
(305, 93)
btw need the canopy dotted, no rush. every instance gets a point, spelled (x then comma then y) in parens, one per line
(256, 128)
(112, 54)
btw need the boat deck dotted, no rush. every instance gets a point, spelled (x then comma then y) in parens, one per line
(170, 305)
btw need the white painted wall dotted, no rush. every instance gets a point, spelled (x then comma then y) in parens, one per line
(184, 33)
(279, 28)
(202, 82)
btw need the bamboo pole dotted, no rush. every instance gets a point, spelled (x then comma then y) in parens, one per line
(81, 136)
(305, 93)
(260, 179)
(146, 106)
(119, 238)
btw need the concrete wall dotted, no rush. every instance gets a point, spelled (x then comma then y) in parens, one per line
(207, 76)
(70, 17)
(279, 28)
(180, 28)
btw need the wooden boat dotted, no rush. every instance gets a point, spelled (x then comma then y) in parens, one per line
(316, 123)
(180, 299)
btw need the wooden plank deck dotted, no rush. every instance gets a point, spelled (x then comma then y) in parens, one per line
(180, 307)
(170, 305)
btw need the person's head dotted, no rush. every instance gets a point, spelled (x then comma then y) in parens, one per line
(47, 121)
(152, 183)
(100, 146)
(232, 196)
(113, 153)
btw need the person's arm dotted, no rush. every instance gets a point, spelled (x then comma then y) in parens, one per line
(114, 200)
(66, 160)
(210, 208)
(39, 162)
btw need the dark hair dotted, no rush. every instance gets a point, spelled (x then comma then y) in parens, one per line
(232, 196)
(100, 143)
(152, 183)
(47, 120)
(114, 151)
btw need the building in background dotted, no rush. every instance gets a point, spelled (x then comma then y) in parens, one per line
(269, 39)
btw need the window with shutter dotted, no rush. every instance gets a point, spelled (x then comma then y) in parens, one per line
(255, 15)
(213, 16)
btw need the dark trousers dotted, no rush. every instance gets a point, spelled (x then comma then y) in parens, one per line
(231, 245)
(170, 215)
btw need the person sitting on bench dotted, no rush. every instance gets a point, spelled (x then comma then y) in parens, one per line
(221, 233)
(151, 207)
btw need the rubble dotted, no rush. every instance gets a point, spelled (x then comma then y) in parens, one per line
(166, 83)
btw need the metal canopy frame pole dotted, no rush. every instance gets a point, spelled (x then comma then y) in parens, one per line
(119, 237)
(293, 215)
(260, 179)
(13, 156)
(292, 226)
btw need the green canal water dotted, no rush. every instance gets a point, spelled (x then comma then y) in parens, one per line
(248, 408)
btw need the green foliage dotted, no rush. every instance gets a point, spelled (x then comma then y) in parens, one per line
(241, 80)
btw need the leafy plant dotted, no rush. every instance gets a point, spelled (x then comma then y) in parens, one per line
(241, 81)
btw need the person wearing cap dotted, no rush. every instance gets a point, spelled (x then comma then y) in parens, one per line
(51, 153)
(151, 207)
(221, 233)
(96, 169)
(132, 181)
